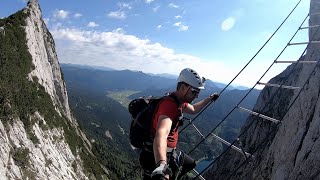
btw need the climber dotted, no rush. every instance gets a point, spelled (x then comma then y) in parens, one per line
(161, 159)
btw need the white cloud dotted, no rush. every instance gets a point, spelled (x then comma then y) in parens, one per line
(120, 51)
(121, 13)
(72, 35)
(155, 9)
(228, 24)
(178, 17)
(61, 14)
(77, 15)
(117, 14)
(159, 26)
(92, 24)
(173, 5)
(119, 30)
(124, 5)
(181, 26)
(148, 1)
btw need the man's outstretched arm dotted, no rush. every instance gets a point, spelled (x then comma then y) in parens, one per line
(195, 108)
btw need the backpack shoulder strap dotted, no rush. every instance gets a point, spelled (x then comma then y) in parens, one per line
(176, 100)
(174, 97)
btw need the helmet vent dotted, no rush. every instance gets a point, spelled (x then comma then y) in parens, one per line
(192, 78)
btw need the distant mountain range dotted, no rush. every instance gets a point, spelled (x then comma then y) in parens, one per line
(87, 66)
(164, 75)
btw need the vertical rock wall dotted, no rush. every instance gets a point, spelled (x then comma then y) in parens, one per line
(289, 150)
(44, 56)
(47, 155)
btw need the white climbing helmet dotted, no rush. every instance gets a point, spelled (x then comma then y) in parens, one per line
(192, 78)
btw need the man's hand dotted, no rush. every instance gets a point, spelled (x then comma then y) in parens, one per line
(161, 172)
(214, 96)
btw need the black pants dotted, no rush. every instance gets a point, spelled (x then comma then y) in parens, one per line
(148, 163)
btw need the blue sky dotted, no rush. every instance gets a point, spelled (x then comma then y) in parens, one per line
(214, 37)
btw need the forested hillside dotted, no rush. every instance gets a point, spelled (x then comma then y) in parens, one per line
(106, 123)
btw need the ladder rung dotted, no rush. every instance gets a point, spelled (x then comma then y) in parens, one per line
(190, 122)
(232, 146)
(311, 42)
(198, 131)
(260, 115)
(198, 174)
(314, 14)
(296, 61)
(308, 27)
(277, 85)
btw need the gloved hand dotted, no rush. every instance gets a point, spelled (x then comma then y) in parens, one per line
(161, 171)
(214, 96)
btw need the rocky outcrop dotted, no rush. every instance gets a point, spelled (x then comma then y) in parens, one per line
(31, 147)
(288, 150)
(45, 60)
(51, 158)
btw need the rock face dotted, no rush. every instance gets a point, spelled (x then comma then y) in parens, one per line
(44, 57)
(50, 156)
(49, 159)
(289, 150)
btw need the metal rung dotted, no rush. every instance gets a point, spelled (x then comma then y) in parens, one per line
(277, 85)
(190, 122)
(232, 146)
(311, 42)
(260, 115)
(198, 131)
(308, 27)
(296, 61)
(314, 14)
(198, 174)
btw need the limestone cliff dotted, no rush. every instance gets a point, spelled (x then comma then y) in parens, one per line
(289, 150)
(46, 66)
(39, 138)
